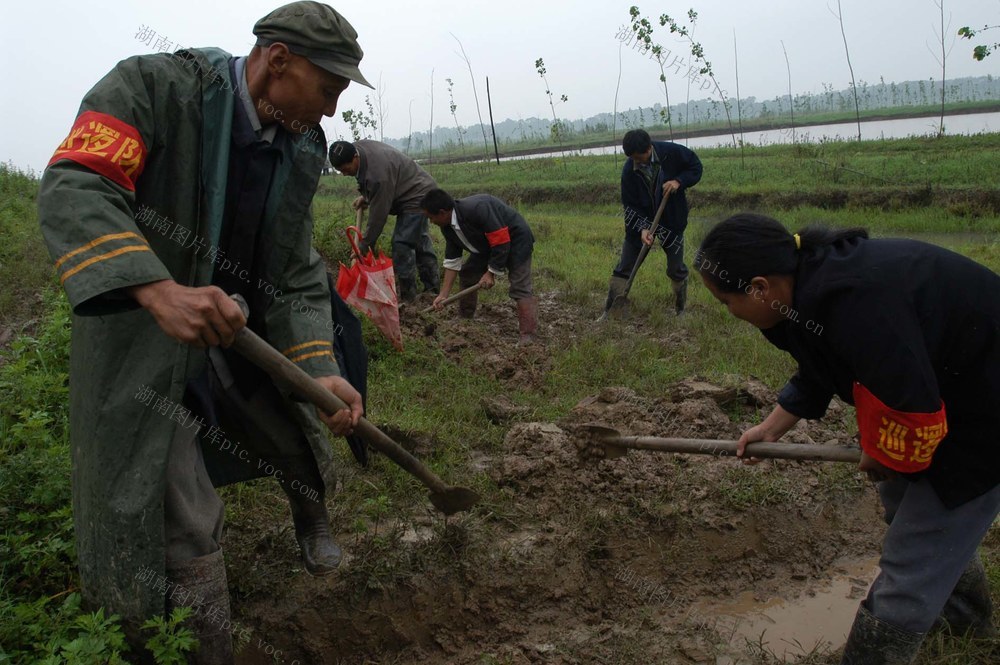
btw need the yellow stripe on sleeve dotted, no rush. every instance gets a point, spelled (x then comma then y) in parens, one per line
(103, 257)
(314, 354)
(95, 243)
(305, 345)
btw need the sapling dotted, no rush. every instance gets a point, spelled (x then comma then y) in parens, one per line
(453, 108)
(698, 51)
(643, 31)
(557, 126)
(839, 14)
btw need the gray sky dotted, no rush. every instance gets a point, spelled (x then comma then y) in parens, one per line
(57, 50)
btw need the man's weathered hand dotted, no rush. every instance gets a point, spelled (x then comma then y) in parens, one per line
(671, 186)
(487, 281)
(343, 422)
(647, 237)
(876, 471)
(439, 301)
(200, 316)
(359, 203)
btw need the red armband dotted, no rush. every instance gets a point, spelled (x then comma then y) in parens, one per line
(106, 145)
(498, 237)
(900, 440)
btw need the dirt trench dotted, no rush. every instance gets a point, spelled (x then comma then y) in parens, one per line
(581, 562)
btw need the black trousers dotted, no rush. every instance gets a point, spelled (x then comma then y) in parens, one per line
(673, 247)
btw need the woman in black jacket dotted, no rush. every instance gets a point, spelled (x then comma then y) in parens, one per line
(908, 333)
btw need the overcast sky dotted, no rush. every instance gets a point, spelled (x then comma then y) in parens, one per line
(56, 50)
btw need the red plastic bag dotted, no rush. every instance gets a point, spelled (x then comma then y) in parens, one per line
(370, 286)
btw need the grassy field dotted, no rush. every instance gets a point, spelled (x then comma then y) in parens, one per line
(941, 190)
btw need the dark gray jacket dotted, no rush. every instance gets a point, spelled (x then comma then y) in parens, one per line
(392, 183)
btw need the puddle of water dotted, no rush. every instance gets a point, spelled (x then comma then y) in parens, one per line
(791, 628)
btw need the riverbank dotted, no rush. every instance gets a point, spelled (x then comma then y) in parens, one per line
(661, 132)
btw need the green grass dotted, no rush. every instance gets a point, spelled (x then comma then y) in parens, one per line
(912, 177)
(24, 262)
(572, 208)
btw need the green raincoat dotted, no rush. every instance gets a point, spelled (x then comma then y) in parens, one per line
(136, 194)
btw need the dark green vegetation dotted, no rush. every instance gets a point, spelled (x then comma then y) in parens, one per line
(40, 615)
(429, 396)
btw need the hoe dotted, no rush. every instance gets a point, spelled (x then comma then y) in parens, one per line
(446, 498)
(594, 442)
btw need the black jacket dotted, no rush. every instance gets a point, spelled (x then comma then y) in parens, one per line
(495, 230)
(916, 326)
(676, 163)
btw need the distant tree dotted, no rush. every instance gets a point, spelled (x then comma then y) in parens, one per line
(380, 109)
(791, 103)
(945, 50)
(453, 108)
(430, 132)
(475, 95)
(409, 131)
(854, 87)
(558, 128)
(614, 113)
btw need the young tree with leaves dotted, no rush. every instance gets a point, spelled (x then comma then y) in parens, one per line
(558, 128)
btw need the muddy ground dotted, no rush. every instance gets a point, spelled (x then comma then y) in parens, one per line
(569, 562)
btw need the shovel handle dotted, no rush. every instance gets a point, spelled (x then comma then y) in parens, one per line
(457, 296)
(287, 373)
(645, 248)
(763, 450)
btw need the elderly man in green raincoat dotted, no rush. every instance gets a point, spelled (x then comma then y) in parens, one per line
(187, 177)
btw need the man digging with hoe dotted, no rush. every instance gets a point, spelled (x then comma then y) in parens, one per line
(225, 153)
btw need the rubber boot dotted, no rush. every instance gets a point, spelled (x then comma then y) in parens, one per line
(201, 585)
(527, 320)
(467, 304)
(407, 289)
(320, 553)
(876, 642)
(429, 275)
(969, 610)
(616, 287)
(680, 295)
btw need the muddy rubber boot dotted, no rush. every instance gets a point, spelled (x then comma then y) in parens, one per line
(429, 275)
(969, 610)
(680, 295)
(527, 320)
(467, 305)
(876, 642)
(407, 289)
(201, 585)
(320, 553)
(616, 287)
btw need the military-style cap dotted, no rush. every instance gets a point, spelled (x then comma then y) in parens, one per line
(316, 32)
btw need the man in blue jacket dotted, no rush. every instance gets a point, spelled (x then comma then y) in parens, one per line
(654, 169)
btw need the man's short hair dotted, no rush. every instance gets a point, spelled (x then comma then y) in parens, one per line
(636, 142)
(437, 200)
(341, 152)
